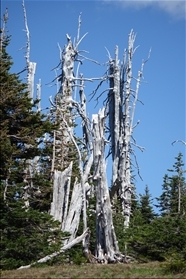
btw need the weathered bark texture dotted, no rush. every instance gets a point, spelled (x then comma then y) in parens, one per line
(61, 165)
(30, 67)
(122, 102)
(65, 208)
(63, 107)
(107, 249)
(61, 189)
(69, 198)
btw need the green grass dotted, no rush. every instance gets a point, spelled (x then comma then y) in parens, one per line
(147, 270)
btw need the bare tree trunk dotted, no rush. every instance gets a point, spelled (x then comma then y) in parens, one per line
(3, 29)
(107, 249)
(61, 189)
(63, 107)
(179, 197)
(38, 96)
(69, 200)
(119, 122)
(31, 68)
(114, 113)
(122, 103)
(125, 167)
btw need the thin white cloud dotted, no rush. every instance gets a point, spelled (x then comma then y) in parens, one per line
(176, 8)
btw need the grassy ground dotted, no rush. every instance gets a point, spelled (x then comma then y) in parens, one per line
(148, 270)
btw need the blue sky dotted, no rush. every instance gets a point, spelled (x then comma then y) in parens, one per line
(159, 25)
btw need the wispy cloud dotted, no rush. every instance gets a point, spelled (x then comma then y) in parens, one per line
(176, 8)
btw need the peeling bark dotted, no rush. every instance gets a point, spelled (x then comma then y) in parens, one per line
(63, 208)
(61, 189)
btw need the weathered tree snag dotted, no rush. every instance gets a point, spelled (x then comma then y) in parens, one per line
(119, 122)
(125, 167)
(30, 67)
(64, 208)
(69, 198)
(122, 103)
(61, 189)
(38, 95)
(107, 249)
(3, 29)
(115, 107)
(63, 107)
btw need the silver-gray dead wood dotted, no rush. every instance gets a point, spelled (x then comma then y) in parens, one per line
(70, 198)
(122, 100)
(107, 250)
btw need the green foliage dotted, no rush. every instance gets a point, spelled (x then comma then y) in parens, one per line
(75, 255)
(154, 241)
(22, 127)
(152, 237)
(146, 207)
(118, 221)
(21, 234)
(26, 233)
(173, 198)
(91, 223)
(175, 264)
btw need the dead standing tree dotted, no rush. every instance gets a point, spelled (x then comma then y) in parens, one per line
(106, 250)
(65, 208)
(122, 103)
(31, 165)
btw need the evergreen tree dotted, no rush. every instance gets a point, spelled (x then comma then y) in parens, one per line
(21, 126)
(164, 199)
(164, 236)
(178, 186)
(173, 198)
(146, 208)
